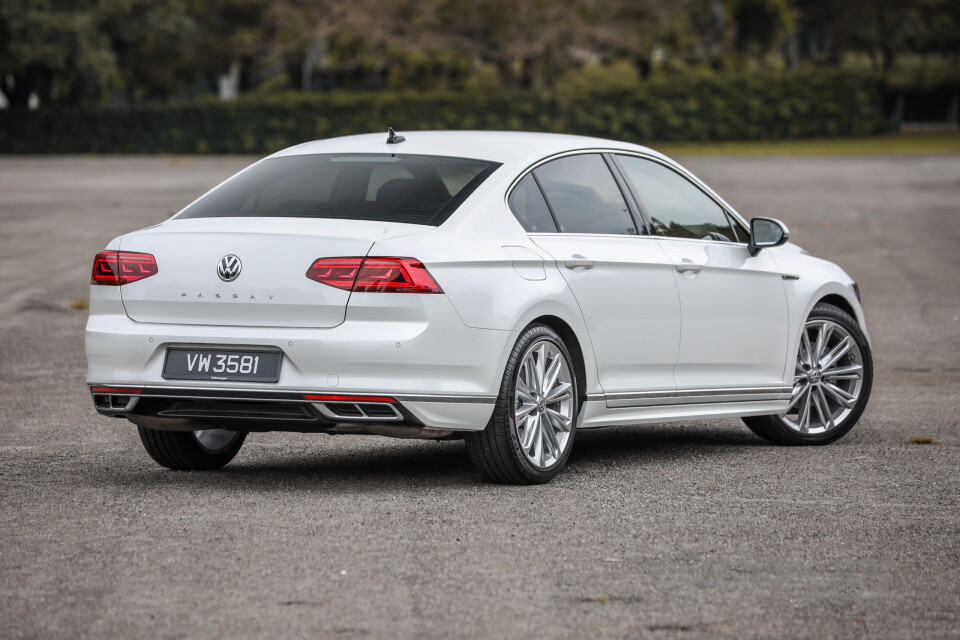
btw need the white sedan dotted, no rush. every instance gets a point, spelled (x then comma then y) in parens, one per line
(509, 289)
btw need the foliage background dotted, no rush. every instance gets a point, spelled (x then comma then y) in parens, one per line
(252, 76)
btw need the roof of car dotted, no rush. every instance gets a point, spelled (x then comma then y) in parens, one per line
(505, 147)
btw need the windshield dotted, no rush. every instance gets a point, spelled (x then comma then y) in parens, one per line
(383, 187)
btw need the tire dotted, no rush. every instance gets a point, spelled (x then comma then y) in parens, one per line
(192, 450)
(538, 449)
(832, 395)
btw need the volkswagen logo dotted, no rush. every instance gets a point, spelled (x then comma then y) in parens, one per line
(229, 268)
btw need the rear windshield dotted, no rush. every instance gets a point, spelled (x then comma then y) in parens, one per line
(382, 187)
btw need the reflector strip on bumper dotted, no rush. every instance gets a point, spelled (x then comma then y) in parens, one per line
(117, 390)
(343, 398)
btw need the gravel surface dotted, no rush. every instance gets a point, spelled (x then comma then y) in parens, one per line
(677, 530)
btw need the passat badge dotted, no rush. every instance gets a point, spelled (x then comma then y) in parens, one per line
(229, 268)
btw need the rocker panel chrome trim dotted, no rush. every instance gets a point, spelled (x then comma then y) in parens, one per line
(455, 399)
(693, 396)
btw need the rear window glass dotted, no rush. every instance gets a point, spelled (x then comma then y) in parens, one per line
(382, 187)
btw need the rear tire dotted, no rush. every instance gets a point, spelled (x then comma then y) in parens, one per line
(192, 450)
(830, 392)
(539, 393)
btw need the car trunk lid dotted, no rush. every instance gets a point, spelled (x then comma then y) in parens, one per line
(196, 284)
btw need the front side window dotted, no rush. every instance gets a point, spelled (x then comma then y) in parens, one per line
(383, 187)
(676, 207)
(584, 196)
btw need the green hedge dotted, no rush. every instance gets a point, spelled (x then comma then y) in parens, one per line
(688, 108)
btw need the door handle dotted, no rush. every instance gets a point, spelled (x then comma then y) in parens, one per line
(685, 268)
(579, 261)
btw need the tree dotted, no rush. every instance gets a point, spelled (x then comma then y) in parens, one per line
(53, 49)
(511, 34)
(881, 29)
(153, 44)
(73, 52)
(761, 25)
(633, 30)
(531, 42)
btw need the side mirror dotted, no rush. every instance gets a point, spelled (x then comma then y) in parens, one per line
(766, 232)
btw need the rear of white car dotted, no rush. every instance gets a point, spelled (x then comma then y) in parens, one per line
(286, 322)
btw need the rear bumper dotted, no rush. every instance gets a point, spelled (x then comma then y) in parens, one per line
(190, 408)
(443, 374)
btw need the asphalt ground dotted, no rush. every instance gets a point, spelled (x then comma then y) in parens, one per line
(695, 529)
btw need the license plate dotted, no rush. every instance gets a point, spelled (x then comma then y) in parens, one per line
(246, 365)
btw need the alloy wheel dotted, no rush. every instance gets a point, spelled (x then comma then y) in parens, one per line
(827, 380)
(543, 404)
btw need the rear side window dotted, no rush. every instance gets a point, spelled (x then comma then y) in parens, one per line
(584, 196)
(530, 208)
(676, 207)
(382, 187)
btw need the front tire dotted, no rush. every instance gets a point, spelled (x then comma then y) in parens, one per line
(832, 382)
(530, 435)
(204, 450)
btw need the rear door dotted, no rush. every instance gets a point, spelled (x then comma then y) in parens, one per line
(623, 281)
(734, 325)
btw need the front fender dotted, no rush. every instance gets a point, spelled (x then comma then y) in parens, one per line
(807, 281)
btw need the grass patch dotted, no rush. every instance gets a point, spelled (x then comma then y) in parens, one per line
(922, 440)
(79, 305)
(604, 599)
(894, 144)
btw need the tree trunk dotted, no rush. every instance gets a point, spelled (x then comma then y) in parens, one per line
(644, 67)
(228, 85)
(17, 92)
(887, 57)
(504, 70)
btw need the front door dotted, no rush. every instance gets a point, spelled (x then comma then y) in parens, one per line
(734, 306)
(734, 316)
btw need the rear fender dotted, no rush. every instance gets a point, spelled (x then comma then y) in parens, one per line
(491, 285)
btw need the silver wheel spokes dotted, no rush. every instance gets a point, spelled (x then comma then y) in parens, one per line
(214, 440)
(543, 404)
(827, 379)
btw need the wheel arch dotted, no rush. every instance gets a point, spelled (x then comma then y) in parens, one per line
(839, 295)
(805, 299)
(570, 339)
(840, 302)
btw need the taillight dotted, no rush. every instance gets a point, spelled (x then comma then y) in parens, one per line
(336, 272)
(381, 275)
(397, 275)
(115, 268)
